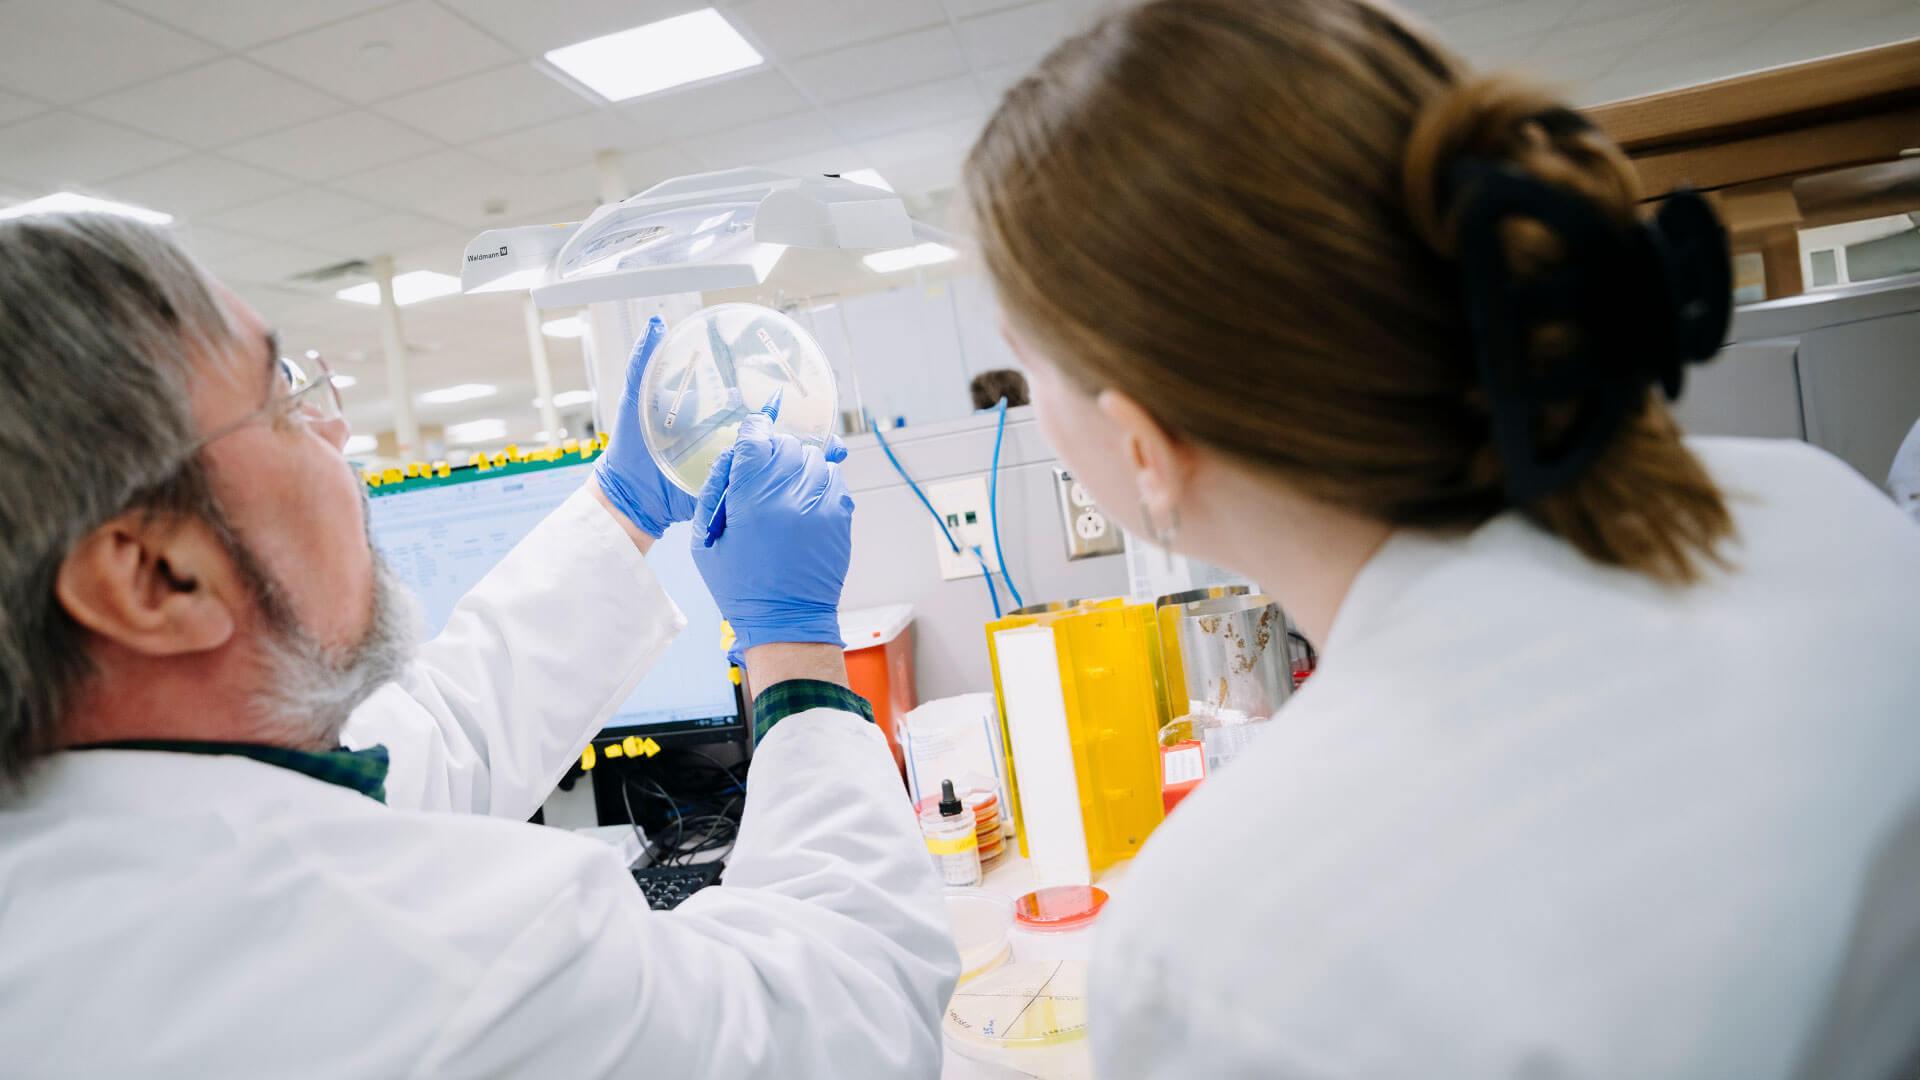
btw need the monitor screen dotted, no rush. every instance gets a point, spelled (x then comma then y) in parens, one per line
(442, 540)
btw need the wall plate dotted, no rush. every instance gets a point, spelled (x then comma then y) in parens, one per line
(1089, 531)
(963, 505)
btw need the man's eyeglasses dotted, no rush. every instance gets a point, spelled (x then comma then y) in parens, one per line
(299, 396)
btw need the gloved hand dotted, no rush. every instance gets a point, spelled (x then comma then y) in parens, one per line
(774, 553)
(626, 472)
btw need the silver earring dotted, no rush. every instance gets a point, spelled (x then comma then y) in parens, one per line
(1163, 537)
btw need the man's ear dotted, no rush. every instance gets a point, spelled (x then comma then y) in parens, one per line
(1161, 461)
(152, 584)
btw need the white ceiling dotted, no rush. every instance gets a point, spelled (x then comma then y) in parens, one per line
(288, 135)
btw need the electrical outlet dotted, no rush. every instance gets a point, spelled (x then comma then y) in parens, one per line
(963, 505)
(1089, 531)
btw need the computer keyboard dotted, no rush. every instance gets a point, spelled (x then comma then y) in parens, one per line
(666, 886)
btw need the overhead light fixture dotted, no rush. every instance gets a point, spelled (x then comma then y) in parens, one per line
(477, 431)
(448, 395)
(658, 56)
(70, 202)
(409, 288)
(569, 327)
(344, 382)
(569, 398)
(541, 436)
(360, 444)
(869, 177)
(887, 262)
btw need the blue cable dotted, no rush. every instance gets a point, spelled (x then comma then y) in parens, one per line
(993, 504)
(985, 572)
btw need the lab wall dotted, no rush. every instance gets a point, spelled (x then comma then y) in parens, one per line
(894, 541)
(906, 354)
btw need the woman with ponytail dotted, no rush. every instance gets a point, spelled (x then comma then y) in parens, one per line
(1612, 764)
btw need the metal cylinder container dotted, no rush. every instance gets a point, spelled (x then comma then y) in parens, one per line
(1234, 656)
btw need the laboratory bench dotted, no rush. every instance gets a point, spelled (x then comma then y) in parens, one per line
(1011, 878)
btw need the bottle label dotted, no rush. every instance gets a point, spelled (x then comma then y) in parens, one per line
(953, 845)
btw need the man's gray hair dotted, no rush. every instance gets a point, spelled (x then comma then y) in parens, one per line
(102, 323)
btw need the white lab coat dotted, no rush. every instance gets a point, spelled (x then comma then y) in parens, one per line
(1533, 818)
(179, 915)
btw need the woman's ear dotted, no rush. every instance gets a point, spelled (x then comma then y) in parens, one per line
(1162, 462)
(153, 586)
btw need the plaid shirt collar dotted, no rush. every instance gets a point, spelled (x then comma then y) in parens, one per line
(364, 771)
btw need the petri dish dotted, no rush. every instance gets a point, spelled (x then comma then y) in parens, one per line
(1030, 1016)
(720, 364)
(980, 924)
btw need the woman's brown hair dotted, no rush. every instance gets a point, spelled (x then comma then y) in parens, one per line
(1238, 212)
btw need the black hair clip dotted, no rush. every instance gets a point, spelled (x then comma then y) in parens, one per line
(1643, 301)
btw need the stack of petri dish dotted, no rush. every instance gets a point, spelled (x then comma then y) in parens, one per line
(985, 804)
(986, 823)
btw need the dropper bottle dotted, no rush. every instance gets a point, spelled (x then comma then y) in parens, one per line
(951, 839)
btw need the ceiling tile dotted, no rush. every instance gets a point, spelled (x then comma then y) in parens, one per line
(791, 30)
(536, 28)
(196, 184)
(881, 65)
(215, 104)
(948, 139)
(561, 144)
(728, 102)
(274, 262)
(387, 234)
(1604, 35)
(899, 110)
(764, 141)
(1707, 13)
(13, 108)
(835, 160)
(65, 51)
(386, 52)
(296, 214)
(1515, 18)
(458, 187)
(1019, 35)
(645, 168)
(241, 24)
(962, 9)
(57, 148)
(208, 243)
(335, 146)
(490, 103)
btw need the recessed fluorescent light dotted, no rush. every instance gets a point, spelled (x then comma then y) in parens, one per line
(906, 258)
(360, 444)
(477, 431)
(648, 59)
(68, 202)
(541, 436)
(408, 288)
(869, 177)
(569, 327)
(567, 398)
(447, 395)
(344, 382)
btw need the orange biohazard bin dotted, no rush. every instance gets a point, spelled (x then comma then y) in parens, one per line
(880, 666)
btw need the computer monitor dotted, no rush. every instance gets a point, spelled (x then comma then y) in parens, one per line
(442, 536)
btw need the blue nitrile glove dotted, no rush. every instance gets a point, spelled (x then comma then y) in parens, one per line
(775, 555)
(632, 482)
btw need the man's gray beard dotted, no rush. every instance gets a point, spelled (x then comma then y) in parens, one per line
(312, 688)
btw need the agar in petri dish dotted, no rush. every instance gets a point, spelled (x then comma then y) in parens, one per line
(717, 366)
